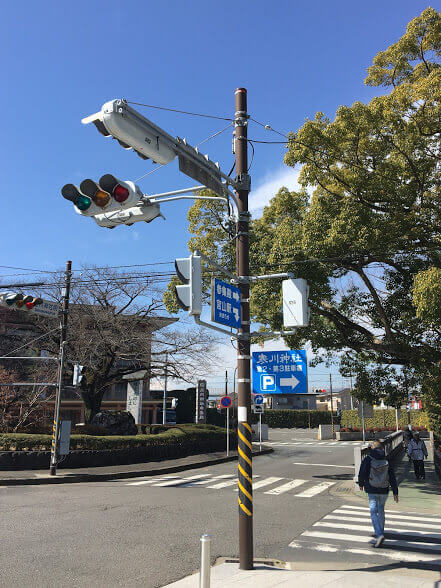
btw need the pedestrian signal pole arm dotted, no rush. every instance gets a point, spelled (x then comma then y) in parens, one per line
(202, 323)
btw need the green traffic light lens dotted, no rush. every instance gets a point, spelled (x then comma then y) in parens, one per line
(83, 202)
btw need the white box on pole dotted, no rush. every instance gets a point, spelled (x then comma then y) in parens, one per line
(295, 294)
(64, 439)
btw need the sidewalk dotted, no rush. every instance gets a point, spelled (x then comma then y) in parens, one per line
(415, 495)
(136, 470)
(228, 574)
(418, 494)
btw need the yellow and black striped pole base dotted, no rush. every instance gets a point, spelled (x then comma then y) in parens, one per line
(245, 466)
(53, 464)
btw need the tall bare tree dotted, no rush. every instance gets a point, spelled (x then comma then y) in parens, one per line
(117, 326)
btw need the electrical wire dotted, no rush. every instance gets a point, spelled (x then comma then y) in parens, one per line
(267, 142)
(181, 111)
(32, 341)
(252, 157)
(198, 145)
(152, 171)
(215, 134)
(31, 271)
(268, 127)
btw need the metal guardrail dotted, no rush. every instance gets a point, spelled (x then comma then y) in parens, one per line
(390, 444)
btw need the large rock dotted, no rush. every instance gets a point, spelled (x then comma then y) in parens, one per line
(116, 422)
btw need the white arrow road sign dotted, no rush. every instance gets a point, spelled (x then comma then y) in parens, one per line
(292, 381)
(236, 296)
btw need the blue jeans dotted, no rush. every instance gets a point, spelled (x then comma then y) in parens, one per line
(376, 506)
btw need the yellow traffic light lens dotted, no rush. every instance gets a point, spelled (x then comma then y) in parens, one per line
(101, 198)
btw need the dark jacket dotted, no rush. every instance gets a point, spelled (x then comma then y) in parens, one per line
(365, 470)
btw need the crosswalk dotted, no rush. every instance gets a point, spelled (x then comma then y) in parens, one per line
(409, 537)
(315, 443)
(271, 485)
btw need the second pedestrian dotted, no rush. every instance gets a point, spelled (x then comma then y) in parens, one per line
(417, 451)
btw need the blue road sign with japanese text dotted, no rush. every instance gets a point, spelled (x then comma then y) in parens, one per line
(280, 372)
(225, 304)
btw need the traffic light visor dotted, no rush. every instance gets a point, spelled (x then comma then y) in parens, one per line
(110, 184)
(71, 193)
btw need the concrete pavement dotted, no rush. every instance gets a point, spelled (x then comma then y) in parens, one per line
(228, 574)
(145, 531)
(101, 474)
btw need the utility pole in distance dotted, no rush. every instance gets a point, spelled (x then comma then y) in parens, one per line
(63, 336)
(245, 463)
(164, 398)
(332, 407)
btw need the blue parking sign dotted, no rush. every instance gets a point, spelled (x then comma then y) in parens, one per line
(280, 372)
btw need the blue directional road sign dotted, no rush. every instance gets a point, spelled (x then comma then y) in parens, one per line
(225, 304)
(280, 372)
(258, 399)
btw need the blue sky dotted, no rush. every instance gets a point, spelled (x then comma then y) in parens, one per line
(61, 61)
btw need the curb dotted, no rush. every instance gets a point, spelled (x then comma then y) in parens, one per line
(79, 478)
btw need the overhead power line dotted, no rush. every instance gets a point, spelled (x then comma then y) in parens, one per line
(180, 111)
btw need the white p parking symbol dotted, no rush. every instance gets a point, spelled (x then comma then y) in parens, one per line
(267, 383)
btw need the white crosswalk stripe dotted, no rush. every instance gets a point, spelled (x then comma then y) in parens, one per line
(286, 487)
(310, 492)
(266, 482)
(179, 481)
(271, 485)
(314, 443)
(410, 537)
(223, 484)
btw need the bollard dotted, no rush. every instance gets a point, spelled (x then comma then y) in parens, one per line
(204, 577)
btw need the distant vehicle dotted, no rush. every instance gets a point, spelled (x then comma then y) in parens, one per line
(170, 417)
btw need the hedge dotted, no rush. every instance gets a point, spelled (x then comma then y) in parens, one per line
(192, 438)
(288, 419)
(278, 419)
(418, 418)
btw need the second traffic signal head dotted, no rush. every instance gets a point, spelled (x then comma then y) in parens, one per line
(108, 195)
(189, 295)
(16, 300)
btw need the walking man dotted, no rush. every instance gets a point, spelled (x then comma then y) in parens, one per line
(375, 477)
(417, 451)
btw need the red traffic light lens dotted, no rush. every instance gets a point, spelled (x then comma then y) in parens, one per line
(120, 193)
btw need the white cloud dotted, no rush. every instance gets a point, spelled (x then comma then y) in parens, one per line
(268, 187)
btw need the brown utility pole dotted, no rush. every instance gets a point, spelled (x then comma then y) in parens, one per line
(63, 335)
(245, 463)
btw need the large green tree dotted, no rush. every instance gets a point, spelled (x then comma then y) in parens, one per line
(364, 229)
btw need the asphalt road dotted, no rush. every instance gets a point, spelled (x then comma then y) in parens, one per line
(145, 532)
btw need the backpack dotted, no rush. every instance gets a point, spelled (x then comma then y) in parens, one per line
(379, 474)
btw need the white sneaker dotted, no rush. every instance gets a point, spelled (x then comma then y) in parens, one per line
(379, 541)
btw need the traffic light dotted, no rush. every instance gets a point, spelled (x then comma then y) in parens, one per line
(29, 303)
(118, 120)
(111, 202)
(189, 295)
